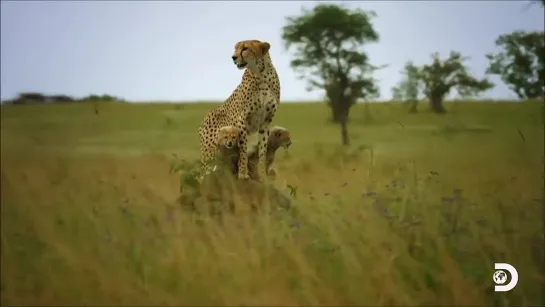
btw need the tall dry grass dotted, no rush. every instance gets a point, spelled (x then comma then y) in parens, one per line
(415, 212)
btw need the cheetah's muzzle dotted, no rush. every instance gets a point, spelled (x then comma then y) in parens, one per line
(287, 145)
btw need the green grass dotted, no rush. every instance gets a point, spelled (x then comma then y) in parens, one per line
(415, 212)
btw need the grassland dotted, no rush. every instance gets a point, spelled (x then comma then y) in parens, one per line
(415, 212)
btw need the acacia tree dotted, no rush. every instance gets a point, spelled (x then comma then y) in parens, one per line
(410, 86)
(328, 42)
(441, 76)
(520, 63)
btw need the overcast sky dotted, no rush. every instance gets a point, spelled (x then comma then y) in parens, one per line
(181, 50)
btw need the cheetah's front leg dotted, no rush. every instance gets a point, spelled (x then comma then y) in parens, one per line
(262, 141)
(243, 153)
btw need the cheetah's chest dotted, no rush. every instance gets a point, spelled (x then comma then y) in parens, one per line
(256, 118)
(263, 110)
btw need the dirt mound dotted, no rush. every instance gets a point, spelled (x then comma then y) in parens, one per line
(220, 192)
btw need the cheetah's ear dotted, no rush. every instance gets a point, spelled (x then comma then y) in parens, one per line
(221, 131)
(265, 47)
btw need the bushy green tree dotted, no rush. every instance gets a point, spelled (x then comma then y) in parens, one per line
(409, 87)
(328, 41)
(441, 76)
(520, 63)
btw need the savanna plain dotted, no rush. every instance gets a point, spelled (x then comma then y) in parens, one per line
(415, 211)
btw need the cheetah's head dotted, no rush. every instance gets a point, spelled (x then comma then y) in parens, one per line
(228, 136)
(280, 136)
(247, 52)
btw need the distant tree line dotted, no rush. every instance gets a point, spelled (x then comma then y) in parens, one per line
(519, 62)
(39, 98)
(327, 45)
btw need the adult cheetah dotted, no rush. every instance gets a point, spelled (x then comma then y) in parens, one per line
(250, 108)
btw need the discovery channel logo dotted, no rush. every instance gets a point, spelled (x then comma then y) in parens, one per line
(500, 277)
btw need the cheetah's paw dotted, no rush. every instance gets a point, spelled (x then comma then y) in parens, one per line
(243, 176)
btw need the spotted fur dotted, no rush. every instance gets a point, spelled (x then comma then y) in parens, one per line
(279, 137)
(250, 108)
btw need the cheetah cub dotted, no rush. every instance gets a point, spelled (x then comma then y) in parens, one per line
(229, 154)
(227, 143)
